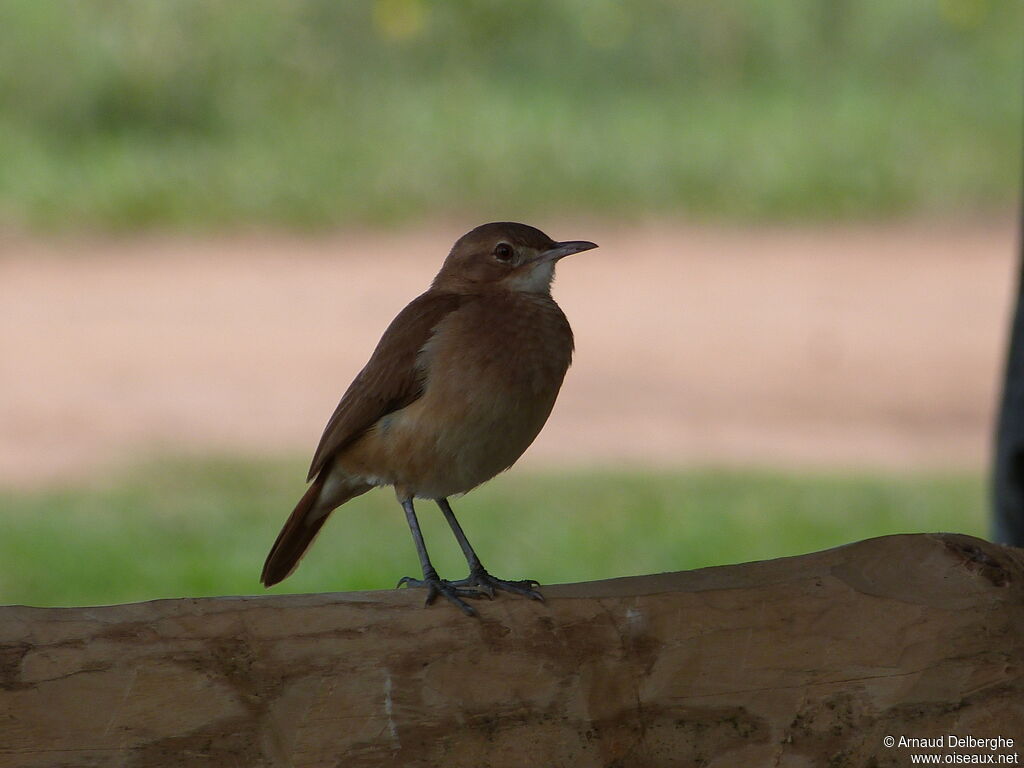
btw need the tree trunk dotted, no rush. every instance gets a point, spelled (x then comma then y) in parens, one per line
(1008, 472)
(804, 661)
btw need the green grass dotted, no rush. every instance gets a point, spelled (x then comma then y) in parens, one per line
(203, 528)
(315, 113)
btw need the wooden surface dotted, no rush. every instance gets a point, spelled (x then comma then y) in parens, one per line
(805, 661)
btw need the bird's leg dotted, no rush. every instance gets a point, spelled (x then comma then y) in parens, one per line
(478, 575)
(435, 586)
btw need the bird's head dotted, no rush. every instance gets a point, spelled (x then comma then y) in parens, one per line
(504, 254)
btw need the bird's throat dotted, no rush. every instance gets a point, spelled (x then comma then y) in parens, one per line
(532, 278)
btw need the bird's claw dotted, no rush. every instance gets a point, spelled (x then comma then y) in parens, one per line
(453, 591)
(481, 580)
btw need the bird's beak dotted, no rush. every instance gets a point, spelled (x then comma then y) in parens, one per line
(565, 249)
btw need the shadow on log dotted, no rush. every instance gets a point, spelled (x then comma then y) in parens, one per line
(808, 661)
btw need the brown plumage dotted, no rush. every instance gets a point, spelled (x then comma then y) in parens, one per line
(458, 387)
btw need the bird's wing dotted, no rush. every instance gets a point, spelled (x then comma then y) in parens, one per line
(390, 380)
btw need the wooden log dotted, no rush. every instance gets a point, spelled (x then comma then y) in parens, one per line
(803, 661)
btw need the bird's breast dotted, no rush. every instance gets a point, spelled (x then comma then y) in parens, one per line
(507, 345)
(493, 370)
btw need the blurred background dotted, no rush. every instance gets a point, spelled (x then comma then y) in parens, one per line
(791, 336)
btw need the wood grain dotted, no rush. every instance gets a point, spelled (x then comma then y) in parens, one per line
(803, 661)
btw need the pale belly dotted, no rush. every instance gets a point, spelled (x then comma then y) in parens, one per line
(437, 449)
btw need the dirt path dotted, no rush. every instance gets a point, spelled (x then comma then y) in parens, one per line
(835, 347)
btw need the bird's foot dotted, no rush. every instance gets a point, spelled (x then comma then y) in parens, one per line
(452, 590)
(481, 580)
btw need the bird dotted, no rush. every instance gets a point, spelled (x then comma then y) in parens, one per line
(462, 381)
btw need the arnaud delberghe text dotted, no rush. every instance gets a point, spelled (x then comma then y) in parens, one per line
(951, 741)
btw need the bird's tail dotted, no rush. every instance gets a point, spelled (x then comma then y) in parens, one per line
(303, 525)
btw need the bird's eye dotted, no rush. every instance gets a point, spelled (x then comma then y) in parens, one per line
(503, 252)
